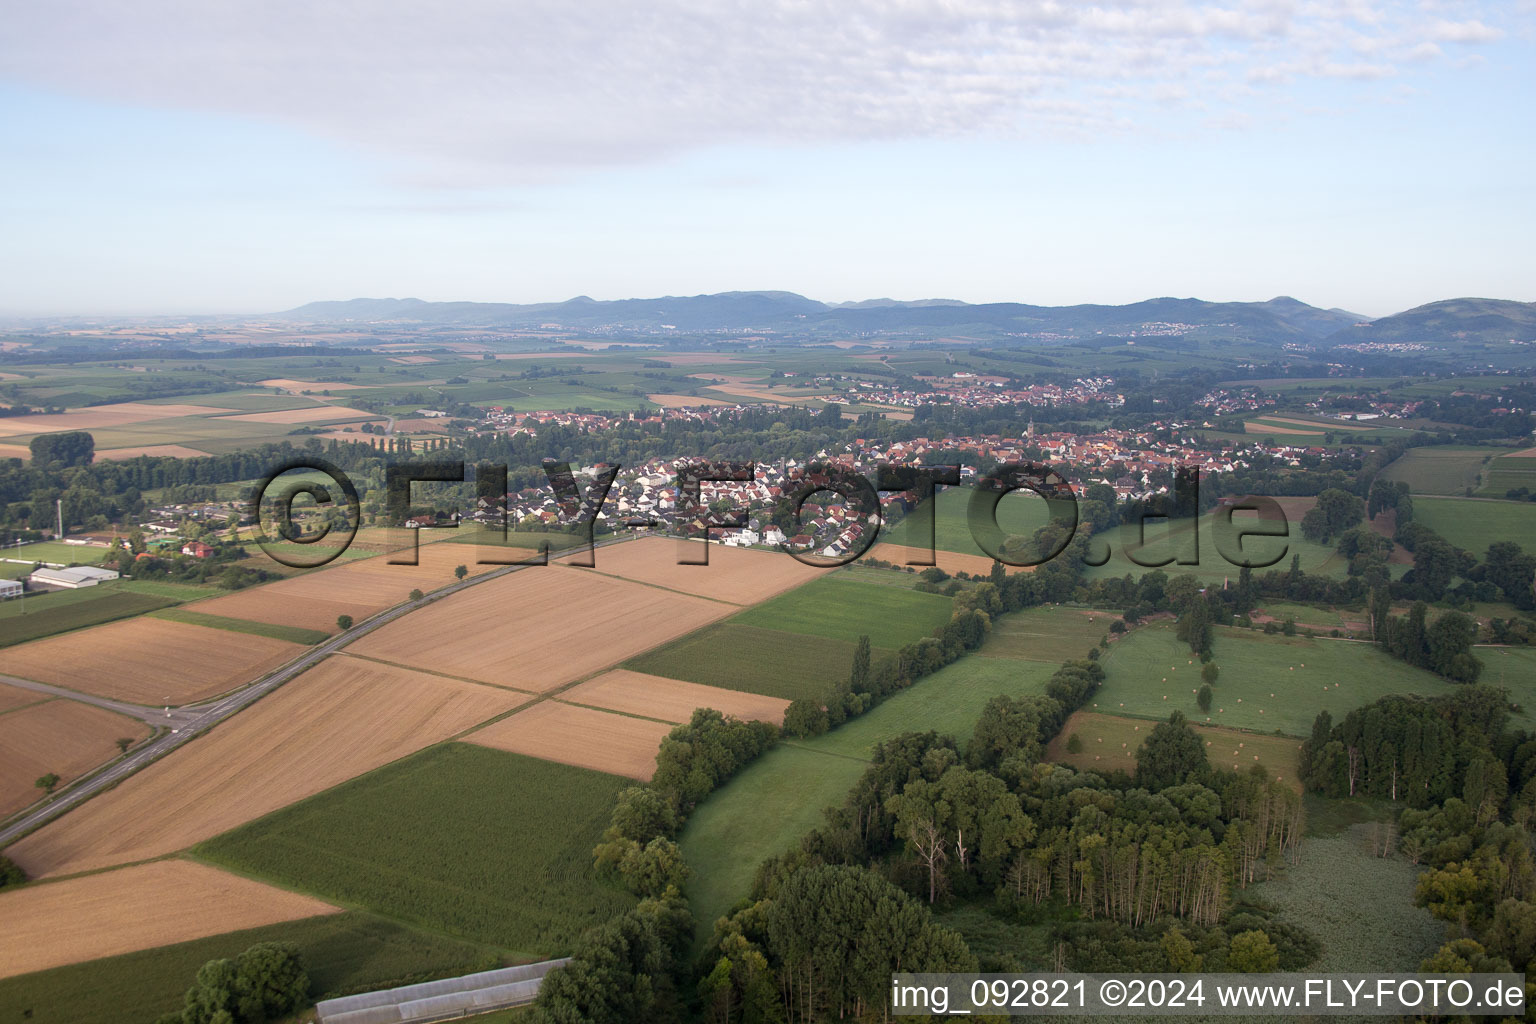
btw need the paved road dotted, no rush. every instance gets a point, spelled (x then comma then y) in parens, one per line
(201, 717)
(162, 717)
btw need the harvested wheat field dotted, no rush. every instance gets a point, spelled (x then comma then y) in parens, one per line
(687, 401)
(344, 717)
(101, 416)
(15, 451)
(136, 908)
(288, 384)
(950, 561)
(539, 628)
(310, 414)
(174, 451)
(358, 588)
(150, 661)
(671, 700)
(738, 575)
(64, 737)
(15, 697)
(582, 737)
(1325, 425)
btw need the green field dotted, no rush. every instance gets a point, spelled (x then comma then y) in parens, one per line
(1110, 742)
(1303, 614)
(1168, 539)
(1439, 469)
(31, 618)
(343, 953)
(1020, 512)
(1304, 675)
(1514, 667)
(471, 842)
(763, 811)
(1508, 472)
(1360, 906)
(57, 553)
(1049, 633)
(740, 657)
(293, 634)
(1474, 525)
(839, 607)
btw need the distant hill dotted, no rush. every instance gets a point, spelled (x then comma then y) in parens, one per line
(796, 318)
(1448, 322)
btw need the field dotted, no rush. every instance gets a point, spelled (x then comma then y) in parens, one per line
(33, 618)
(1439, 469)
(762, 811)
(581, 737)
(771, 662)
(13, 697)
(950, 561)
(1301, 614)
(152, 661)
(57, 553)
(358, 588)
(1508, 472)
(292, 634)
(1360, 906)
(177, 451)
(99, 417)
(471, 842)
(1267, 683)
(343, 953)
(737, 575)
(135, 908)
(59, 736)
(539, 628)
(1513, 667)
(671, 700)
(1474, 525)
(841, 607)
(344, 717)
(1021, 512)
(1110, 742)
(308, 414)
(1050, 634)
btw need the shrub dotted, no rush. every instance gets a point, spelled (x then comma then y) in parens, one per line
(1074, 744)
(1203, 698)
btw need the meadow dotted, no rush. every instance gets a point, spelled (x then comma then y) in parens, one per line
(293, 634)
(1438, 469)
(1473, 525)
(1508, 472)
(1268, 683)
(343, 953)
(840, 607)
(1110, 743)
(771, 662)
(1047, 633)
(474, 843)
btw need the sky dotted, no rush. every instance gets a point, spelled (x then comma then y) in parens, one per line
(188, 156)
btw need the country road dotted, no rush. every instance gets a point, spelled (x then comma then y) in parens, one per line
(159, 718)
(190, 721)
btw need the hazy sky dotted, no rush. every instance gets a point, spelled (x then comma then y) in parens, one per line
(199, 155)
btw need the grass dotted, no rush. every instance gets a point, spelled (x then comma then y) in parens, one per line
(1360, 906)
(471, 842)
(1474, 525)
(736, 656)
(1021, 512)
(31, 618)
(1302, 614)
(1514, 667)
(763, 811)
(1167, 539)
(344, 953)
(1000, 944)
(1110, 742)
(1438, 469)
(57, 552)
(1266, 682)
(840, 608)
(1508, 472)
(1050, 634)
(293, 634)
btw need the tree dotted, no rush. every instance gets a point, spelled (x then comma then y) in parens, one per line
(1209, 672)
(123, 743)
(805, 718)
(1203, 698)
(417, 595)
(71, 448)
(1074, 744)
(1252, 952)
(460, 571)
(46, 783)
(858, 678)
(343, 622)
(10, 872)
(1171, 756)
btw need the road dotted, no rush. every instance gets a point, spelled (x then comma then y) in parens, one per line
(196, 719)
(159, 718)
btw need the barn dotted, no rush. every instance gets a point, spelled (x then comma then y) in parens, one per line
(73, 578)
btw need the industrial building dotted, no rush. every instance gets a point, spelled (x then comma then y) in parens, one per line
(73, 578)
(10, 589)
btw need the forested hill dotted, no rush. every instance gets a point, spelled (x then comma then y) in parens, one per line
(1278, 320)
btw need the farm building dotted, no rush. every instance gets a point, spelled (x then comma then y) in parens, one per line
(72, 579)
(10, 589)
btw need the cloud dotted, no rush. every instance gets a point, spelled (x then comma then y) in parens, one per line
(485, 91)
